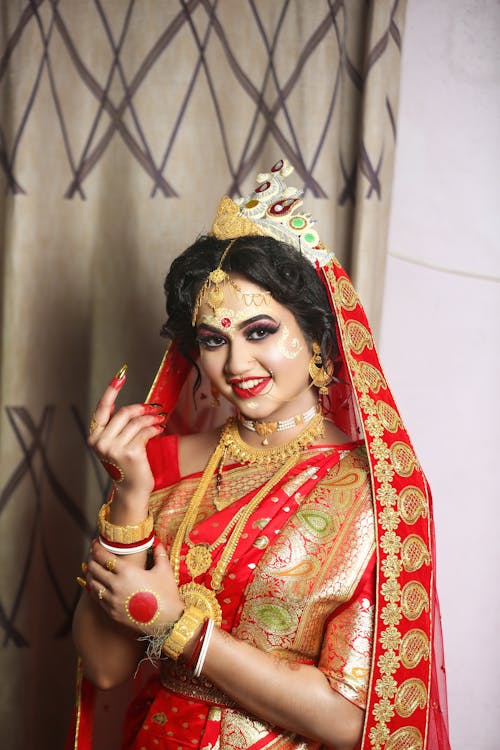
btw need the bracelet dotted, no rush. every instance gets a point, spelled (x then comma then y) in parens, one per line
(204, 649)
(128, 549)
(182, 632)
(123, 534)
(197, 648)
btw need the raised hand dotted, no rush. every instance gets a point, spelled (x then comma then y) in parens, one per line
(119, 440)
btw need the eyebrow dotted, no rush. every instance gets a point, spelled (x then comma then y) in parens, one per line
(240, 325)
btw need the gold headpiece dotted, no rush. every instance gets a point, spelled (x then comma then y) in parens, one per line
(272, 209)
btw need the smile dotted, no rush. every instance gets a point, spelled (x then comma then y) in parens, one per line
(249, 387)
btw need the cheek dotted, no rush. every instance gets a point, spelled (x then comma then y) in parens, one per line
(290, 346)
(212, 363)
(277, 358)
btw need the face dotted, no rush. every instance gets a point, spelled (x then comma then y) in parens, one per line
(255, 353)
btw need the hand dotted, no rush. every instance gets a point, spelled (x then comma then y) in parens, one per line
(119, 439)
(114, 583)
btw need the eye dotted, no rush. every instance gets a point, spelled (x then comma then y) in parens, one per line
(210, 340)
(260, 331)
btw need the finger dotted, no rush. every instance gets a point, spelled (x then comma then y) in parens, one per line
(139, 430)
(160, 555)
(100, 555)
(99, 577)
(105, 405)
(125, 425)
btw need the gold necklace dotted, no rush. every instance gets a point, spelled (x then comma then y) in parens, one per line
(196, 594)
(240, 451)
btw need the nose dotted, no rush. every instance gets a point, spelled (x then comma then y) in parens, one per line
(239, 358)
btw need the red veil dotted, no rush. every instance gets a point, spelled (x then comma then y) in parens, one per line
(406, 708)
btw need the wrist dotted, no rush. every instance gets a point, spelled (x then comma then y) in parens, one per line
(128, 507)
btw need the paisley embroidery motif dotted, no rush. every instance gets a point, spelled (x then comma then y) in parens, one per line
(359, 336)
(406, 738)
(412, 694)
(414, 553)
(388, 416)
(414, 647)
(414, 599)
(404, 460)
(412, 504)
(305, 569)
(316, 522)
(346, 294)
(274, 615)
(371, 377)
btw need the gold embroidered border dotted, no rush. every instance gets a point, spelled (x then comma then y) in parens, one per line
(395, 602)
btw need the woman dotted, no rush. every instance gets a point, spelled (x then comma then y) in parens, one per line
(276, 619)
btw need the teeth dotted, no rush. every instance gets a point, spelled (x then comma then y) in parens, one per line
(247, 384)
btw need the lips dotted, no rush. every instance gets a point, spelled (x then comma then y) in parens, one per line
(249, 387)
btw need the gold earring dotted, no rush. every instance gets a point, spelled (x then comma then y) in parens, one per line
(215, 397)
(321, 373)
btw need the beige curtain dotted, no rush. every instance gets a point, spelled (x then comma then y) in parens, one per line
(122, 122)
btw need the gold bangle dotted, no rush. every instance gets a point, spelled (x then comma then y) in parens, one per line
(123, 534)
(182, 632)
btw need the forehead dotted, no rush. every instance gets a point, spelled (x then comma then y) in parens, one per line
(241, 301)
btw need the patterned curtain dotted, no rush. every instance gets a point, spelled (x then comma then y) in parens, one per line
(122, 122)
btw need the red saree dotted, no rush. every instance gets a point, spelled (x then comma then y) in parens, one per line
(300, 585)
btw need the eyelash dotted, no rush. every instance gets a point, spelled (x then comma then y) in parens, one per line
(264, 328)
(213, 341)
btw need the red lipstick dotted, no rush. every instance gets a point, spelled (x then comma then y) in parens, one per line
(248, 391)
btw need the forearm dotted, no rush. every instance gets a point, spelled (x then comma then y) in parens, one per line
(295, 697)
(109, 651)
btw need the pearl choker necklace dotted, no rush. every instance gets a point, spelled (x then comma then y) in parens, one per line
(264, 429)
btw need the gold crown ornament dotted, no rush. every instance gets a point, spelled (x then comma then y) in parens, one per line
(272, 209)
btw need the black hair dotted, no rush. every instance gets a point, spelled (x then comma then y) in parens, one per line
(275, 266)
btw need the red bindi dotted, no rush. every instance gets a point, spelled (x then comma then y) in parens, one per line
(142, 607)
(226, 322)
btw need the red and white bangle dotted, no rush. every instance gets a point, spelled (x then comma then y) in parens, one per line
(204, 648)
(197, 648)
(120, 548)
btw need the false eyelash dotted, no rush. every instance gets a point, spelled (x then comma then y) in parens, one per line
(204, 340)
(265, 327)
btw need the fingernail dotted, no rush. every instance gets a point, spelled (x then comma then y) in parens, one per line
(118, 379)
(84, 568)
(81, 582)
(151, 408)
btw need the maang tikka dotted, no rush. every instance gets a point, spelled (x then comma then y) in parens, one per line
(212, 291)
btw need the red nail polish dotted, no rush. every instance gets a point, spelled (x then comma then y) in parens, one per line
(118, 380)
(151, 408)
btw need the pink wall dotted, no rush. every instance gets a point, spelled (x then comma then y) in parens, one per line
(440, 340)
